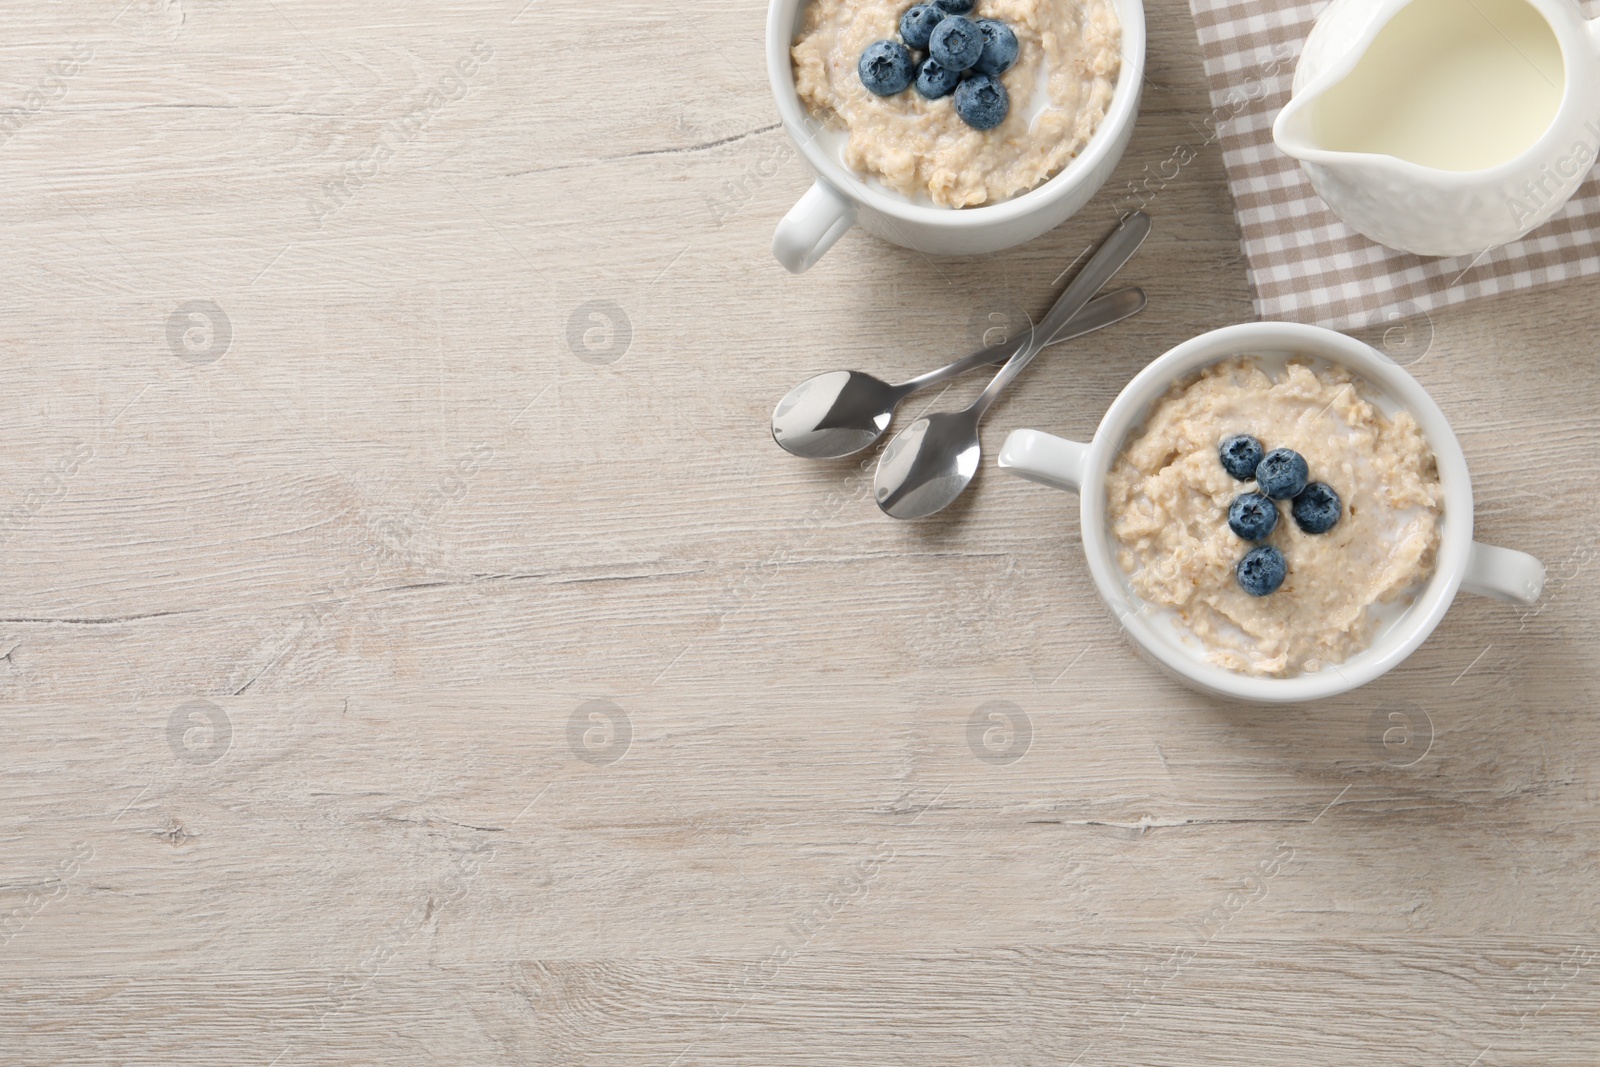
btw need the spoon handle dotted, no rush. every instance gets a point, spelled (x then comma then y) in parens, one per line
(1113, 252)
(1104, 310)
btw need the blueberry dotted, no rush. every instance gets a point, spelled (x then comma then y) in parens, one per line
(917, 24)
(1282, 473)
(934, 81)
(1252, 516)
(956, 43)
(999, 47)
(1316, 508)
(886, 67)
(1261, 571)
(981, 101)
(956, 7)
(1241, 454)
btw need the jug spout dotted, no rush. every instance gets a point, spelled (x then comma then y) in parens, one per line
(1293, 132)
(1300, 136)
(1296, 133)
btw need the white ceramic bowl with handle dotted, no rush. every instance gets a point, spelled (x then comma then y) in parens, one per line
(1462, 562)
(840, 198)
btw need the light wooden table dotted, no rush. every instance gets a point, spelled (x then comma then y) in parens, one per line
(409, 668)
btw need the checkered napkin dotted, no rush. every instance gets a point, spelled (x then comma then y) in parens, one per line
(1307, 266)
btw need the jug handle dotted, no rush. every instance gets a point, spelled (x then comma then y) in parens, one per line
(1504, 574)
(1048, 460)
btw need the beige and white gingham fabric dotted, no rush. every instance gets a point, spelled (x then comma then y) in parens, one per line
(1307, 266)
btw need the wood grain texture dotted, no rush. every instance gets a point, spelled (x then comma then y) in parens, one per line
(409, 684)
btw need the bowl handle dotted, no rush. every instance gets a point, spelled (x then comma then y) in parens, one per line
(1504, 574)
(811, 227)
(1048, 460)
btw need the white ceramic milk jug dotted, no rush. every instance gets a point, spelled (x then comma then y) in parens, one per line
(1446, 127)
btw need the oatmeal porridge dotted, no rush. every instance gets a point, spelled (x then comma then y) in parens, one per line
(1055, 86)
(1276, 511)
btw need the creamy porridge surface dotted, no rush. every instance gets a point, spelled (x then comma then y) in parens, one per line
(1070, 50)
(1168, 497)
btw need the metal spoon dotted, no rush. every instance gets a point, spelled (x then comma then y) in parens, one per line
(931, 462)
(843, 411)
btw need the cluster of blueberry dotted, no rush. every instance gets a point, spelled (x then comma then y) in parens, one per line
(965, 57)
(1281, 474)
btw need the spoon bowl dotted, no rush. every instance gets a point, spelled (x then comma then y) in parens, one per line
(928, 465)
(833, 415)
